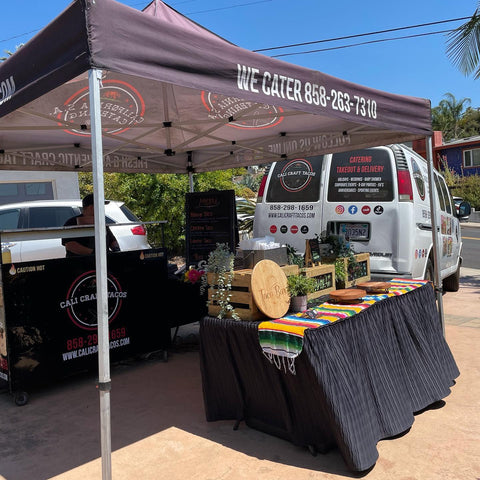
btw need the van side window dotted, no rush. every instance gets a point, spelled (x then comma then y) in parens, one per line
(361, 176)
(446, 196)
(296, 180)
(441, 199)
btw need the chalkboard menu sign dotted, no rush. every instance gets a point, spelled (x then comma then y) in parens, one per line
(211, 218)
(312, 252)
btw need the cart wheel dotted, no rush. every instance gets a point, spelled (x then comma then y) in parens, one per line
(21, 398)
(312, 450)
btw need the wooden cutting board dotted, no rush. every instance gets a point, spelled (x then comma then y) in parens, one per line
(270, 289)
(373, 287)
(347, 295)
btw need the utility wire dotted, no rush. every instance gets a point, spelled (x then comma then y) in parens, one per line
(144, 3)
(363, 34)
(359, 44)
(312, 42)
(227, 8)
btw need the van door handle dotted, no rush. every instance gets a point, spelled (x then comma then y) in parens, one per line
(424, 226)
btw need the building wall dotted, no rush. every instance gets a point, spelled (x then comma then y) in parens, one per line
(453, 155)
(64, 184)
(454, 158)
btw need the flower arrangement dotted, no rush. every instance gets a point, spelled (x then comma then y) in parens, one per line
(192, 275)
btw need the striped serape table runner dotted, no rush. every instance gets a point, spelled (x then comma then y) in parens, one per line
(281, 340)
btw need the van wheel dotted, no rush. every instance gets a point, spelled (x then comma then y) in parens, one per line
(452, 283)
(429, 271)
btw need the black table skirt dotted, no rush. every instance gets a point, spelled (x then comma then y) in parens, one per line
(357, 381)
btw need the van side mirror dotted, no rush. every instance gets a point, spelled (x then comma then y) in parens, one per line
(464, 210)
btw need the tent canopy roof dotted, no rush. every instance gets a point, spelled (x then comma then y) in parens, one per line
(177, 97)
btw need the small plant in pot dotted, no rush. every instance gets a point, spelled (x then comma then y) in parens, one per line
(299, 286)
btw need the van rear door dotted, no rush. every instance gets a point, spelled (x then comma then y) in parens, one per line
(289, 208)
(362, 204)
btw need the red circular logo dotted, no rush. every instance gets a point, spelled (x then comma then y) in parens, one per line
(122, 106)
(273, 229)
(81, 299)
(296, 175)
(256, 116)
(294, 229)
(339, 209)
(366, 209)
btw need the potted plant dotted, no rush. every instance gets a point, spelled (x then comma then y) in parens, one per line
(299, 286)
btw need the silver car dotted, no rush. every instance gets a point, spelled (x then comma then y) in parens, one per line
(127, 228)
(458, 201)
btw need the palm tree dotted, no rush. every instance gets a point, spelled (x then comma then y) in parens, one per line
(464, 45)
(246, 212)
(446, 117)
(9, 53)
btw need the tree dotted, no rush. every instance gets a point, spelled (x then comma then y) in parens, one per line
(448, 114)
(469, 124)
(464, 45)
(154, 197)
(9, 53)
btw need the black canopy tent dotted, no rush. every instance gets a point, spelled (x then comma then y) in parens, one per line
(105, 87)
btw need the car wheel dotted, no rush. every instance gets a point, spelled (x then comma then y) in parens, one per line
(452, 283)
(21, 398)
(429, 274)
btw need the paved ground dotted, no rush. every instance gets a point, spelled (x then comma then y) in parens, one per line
(159, 429)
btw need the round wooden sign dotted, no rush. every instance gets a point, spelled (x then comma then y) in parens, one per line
(270, 289)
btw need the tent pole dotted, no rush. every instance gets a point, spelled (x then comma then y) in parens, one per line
(190, 171)
(94, 80)
(436, 246)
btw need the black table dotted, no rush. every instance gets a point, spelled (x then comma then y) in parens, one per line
(357, 381)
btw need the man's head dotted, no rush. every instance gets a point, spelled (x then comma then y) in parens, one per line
(87, 204)
(87, 200)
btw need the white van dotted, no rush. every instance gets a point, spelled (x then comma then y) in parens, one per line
(376, 197)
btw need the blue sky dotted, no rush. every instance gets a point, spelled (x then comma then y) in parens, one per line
(415, 66)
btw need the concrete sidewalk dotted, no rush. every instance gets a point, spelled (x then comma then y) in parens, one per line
(159, 429)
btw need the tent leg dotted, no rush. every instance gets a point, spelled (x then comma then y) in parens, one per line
(190, 171)
(94, 79)
(436, 251)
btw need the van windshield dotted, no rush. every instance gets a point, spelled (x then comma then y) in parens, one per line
(295, 180)
(361, 176)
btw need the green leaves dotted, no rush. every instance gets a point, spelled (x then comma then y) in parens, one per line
(464, 46)
(449, 117)
(154, 197)
(301, 285)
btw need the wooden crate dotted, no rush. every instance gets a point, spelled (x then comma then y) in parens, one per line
(363, 259)
(241, 297)
(324, 273)
(290, 269)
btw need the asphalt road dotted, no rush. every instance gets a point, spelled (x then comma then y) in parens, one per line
(471, 246)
